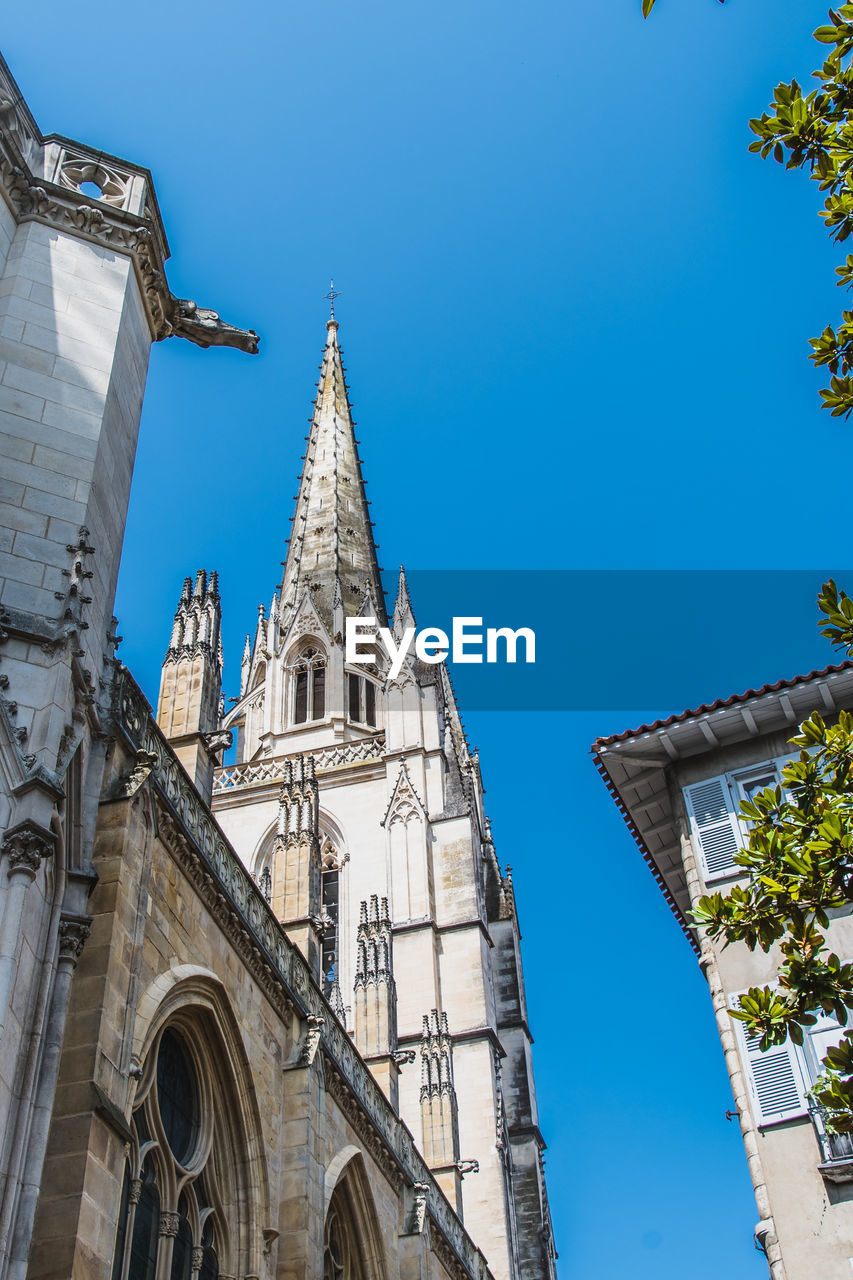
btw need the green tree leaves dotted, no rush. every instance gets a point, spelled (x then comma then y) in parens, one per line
(648, 5)
(815, 132)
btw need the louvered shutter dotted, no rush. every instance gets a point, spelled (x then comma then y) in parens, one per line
(775, 1077)
(715, 825)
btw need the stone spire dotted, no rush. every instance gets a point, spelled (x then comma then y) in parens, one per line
(403, 612)
(191, 680)
(198, 618)
(331, 545)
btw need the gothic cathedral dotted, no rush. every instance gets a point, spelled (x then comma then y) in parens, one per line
(260, 1020)
(357, 807)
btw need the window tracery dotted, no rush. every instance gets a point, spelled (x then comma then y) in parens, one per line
(330, 887)
(169, 1223)
(341, 1254)
(308, 681)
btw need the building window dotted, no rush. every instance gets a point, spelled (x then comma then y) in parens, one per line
(714, 807)
(309, 686)
(331, 909)
(362, 700)
(168, 1225)
(782, 1076)
(341, 1255)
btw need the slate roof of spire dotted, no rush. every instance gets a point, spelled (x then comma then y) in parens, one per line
(331, 541)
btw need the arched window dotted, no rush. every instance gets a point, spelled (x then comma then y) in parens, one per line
(308, 684)
(169, 1222)
(341, 1254)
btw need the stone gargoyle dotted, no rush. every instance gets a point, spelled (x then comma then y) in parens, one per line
(206, 329)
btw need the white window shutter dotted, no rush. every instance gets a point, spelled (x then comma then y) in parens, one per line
(715, 825)
(826, 1034)
(775, 1078)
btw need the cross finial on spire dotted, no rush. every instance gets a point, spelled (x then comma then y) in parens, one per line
(330, 297)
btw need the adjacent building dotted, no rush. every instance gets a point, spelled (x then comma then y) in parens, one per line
(679, 784)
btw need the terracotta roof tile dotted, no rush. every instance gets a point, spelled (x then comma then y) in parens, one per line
(720, 703)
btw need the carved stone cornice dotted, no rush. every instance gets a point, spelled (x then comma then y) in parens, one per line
(42, 180)
(346, 1098)
(174, 838)
(36, 199)
(190, 832)
(26, 845)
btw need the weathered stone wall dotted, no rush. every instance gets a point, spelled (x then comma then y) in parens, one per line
(163, 941)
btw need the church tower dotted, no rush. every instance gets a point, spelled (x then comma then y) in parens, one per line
(357, 805)
(191, 680)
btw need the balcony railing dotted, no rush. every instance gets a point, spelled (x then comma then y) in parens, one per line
(258, 773)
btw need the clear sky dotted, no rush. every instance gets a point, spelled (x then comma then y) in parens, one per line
(575, 315)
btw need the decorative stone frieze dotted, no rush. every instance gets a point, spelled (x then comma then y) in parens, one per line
(262, 773)
(67, 209)
(115, 186)
(42, 178)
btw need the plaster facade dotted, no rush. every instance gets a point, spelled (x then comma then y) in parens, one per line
(679, 785)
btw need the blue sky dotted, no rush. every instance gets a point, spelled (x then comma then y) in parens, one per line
(575, 314)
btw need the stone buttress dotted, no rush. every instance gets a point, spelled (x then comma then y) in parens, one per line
(83, 294)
